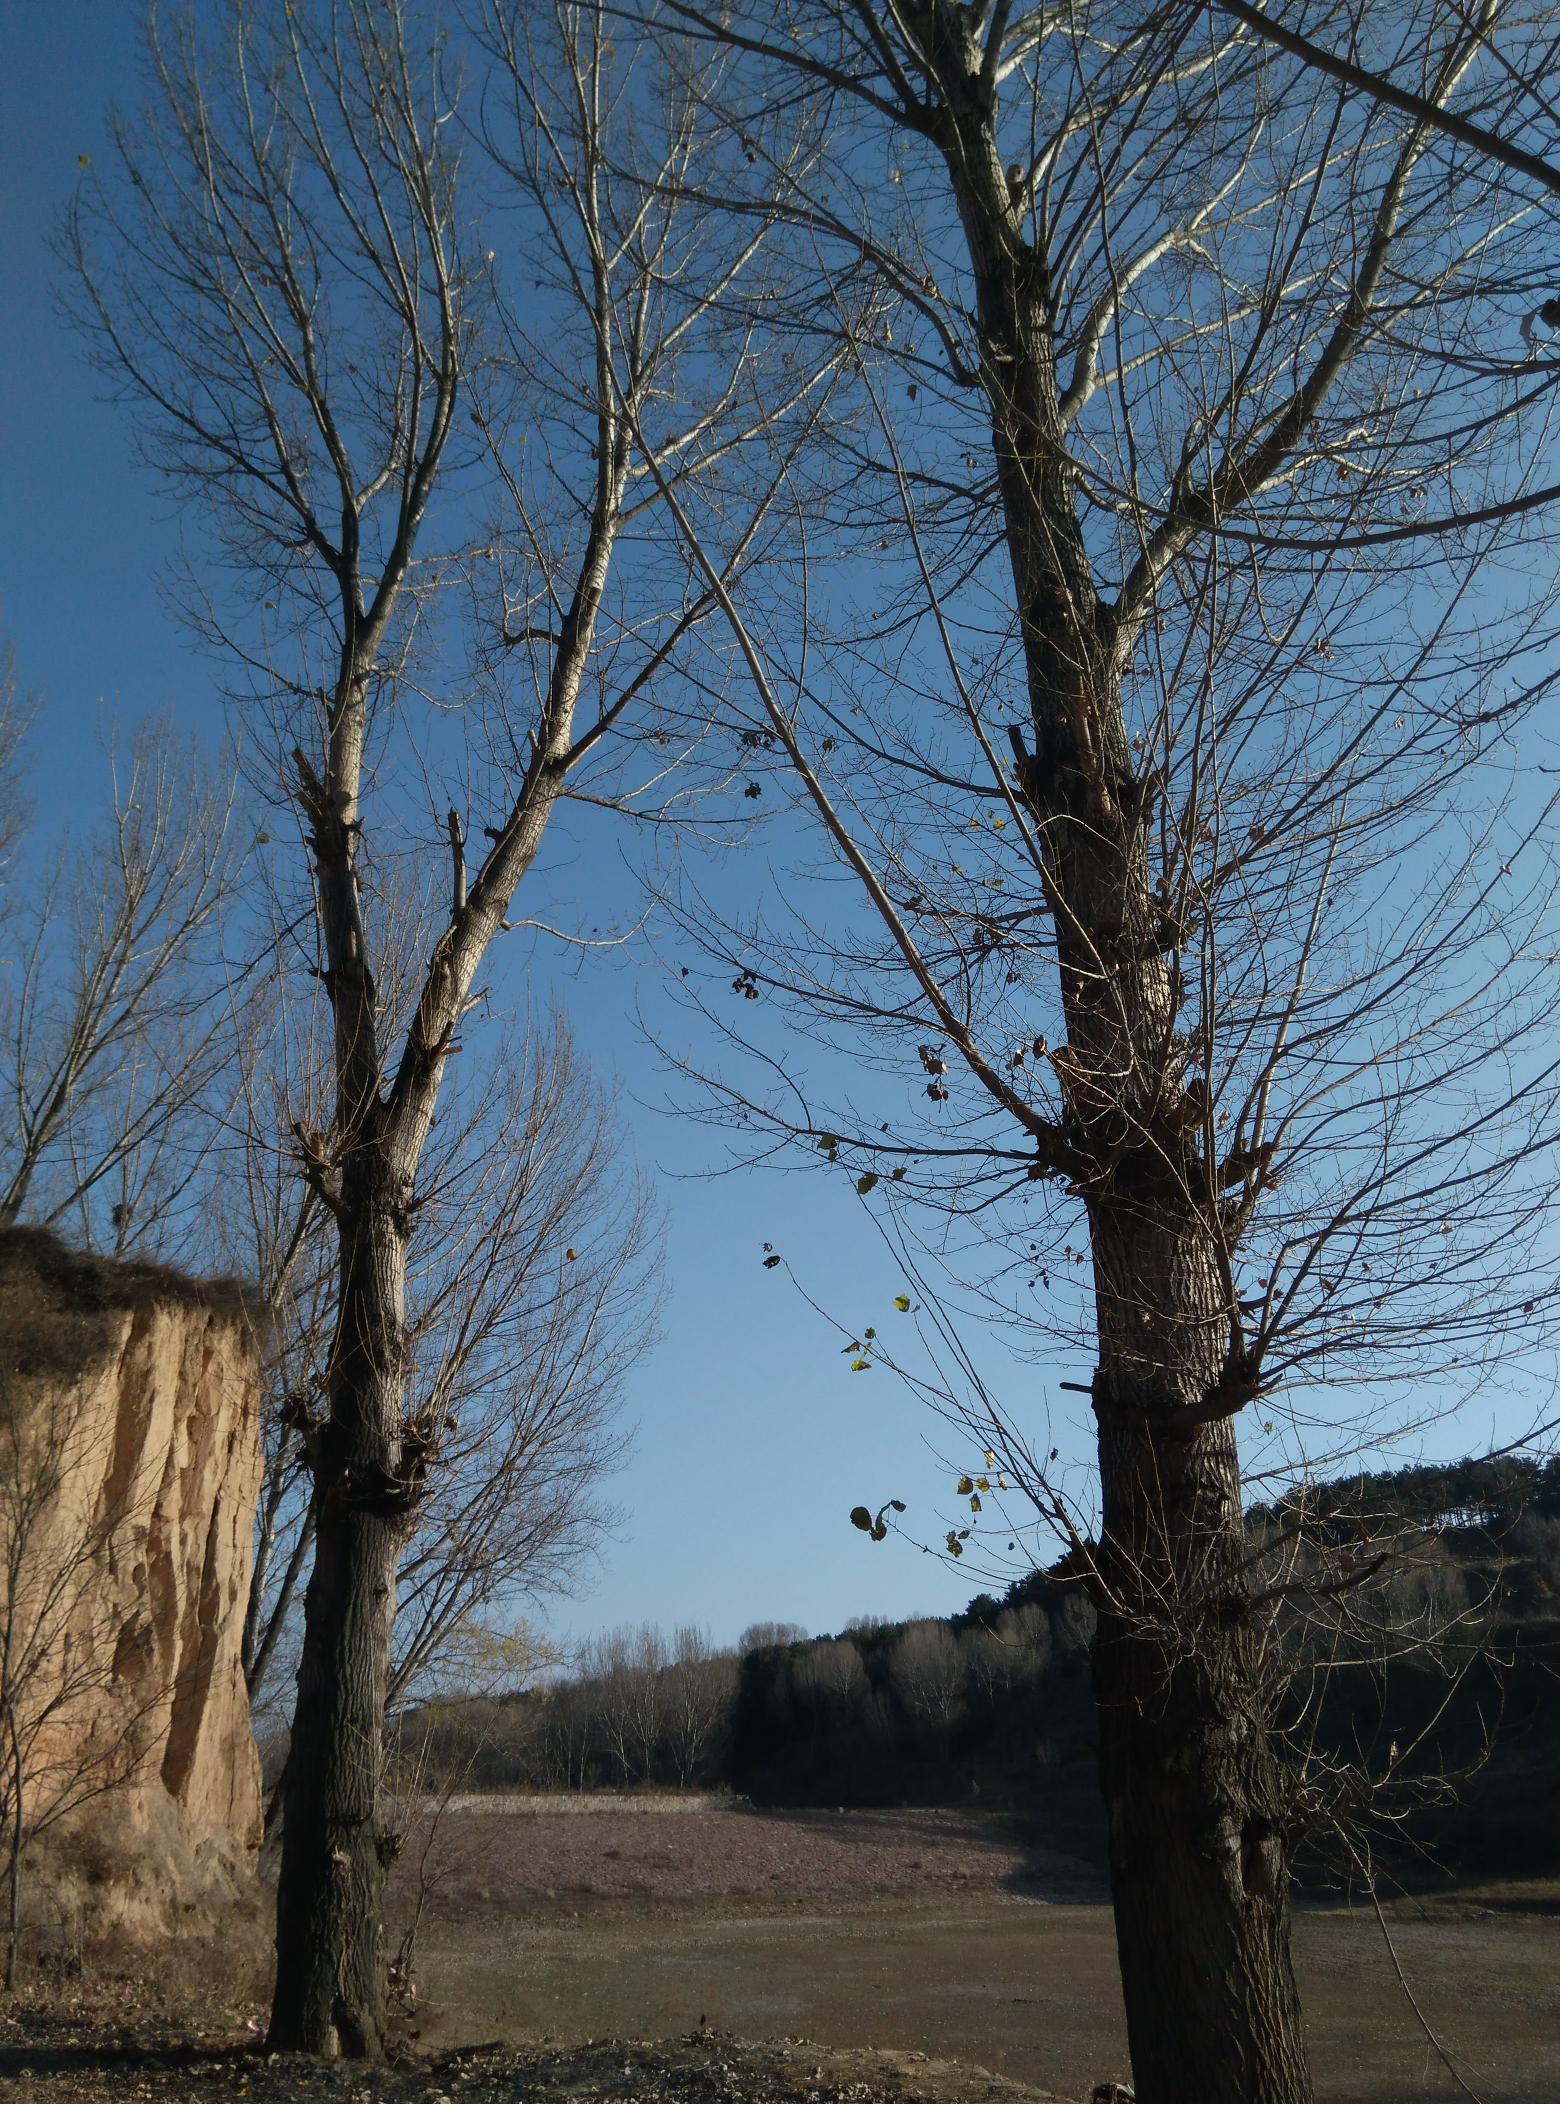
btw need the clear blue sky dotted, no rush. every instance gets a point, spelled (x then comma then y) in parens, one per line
(754, 1441)
(753, 1438)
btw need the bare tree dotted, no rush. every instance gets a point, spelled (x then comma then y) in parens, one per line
(762, 1636)
(836, 1667)
(625, 1671)
(927, 1670)
(285, 279)
(533, 1297)
(564, 1736)
(116, 1028)
(1518, 82)
(1015, 1650)
(701, 1687)
(530, 1294)
(1223, 973)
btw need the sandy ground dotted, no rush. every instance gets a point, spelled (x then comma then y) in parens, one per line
(925, 1931)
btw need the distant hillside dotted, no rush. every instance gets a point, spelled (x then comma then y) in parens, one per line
(1420, 1624)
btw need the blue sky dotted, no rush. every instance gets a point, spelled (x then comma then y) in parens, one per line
(753, 1439)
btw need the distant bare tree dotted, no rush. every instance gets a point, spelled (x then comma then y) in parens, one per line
(927, 1669)
(835, 1667)
(1015, 1650)
(761, 1636)
(530, 1293)
(565, 1735)
(700, 1692)
(625, 1670)
(116, 1026)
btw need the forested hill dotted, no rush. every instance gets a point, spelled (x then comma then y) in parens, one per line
(1420, 1683)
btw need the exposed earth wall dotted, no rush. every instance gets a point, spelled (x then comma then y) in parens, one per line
(129, 1470)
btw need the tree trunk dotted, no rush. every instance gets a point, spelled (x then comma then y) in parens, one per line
(1199, 1868)
(1198, 1861)
(1198, 1864)
(330, 1975)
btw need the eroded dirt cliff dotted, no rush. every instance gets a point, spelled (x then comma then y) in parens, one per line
(129, 1468)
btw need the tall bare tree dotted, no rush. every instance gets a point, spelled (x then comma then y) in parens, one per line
(1164, 737)
(286, 279)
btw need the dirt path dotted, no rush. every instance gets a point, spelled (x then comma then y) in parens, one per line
(925, 1931)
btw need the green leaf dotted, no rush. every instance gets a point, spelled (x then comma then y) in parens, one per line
(860, 1517)
(902, 1303)
(864, 1184)
(965, 1486)
(899, 1173)
(975, 1504)
(869, 1333)
(897, 1503)
(828, 1141)
(880, 1531)
(981, 1483)
(770, 1262)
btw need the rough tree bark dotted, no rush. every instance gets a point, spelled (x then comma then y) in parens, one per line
(1198, 1864)
(367, 1465)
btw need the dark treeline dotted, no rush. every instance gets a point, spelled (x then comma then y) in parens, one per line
(1422, 1708)
(1422, 1705)
(983, 1705)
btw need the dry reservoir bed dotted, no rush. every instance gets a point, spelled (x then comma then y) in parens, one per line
(931, 1932)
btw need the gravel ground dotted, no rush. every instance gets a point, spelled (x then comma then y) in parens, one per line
(70, 2057)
